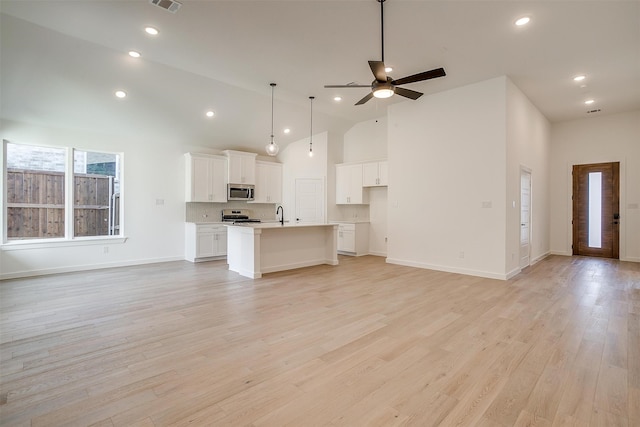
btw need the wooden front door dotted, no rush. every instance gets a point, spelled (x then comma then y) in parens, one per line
(596, 209)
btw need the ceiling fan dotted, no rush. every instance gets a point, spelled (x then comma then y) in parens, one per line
(384, 86)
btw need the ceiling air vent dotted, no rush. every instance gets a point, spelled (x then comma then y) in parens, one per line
(170, 5)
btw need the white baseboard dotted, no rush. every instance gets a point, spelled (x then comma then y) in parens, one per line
(75, 268)
(513, 273)
(378, 253)
(539, 258)
(468, 272)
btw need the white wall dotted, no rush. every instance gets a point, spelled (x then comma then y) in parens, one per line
(366, 141)
(454, 162)
(155, 232)
(447, 155)
(599, 139)
(297, 164)
(378, 208)
(528, 146)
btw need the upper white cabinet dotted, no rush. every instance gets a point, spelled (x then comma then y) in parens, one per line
(242, 167)
(268, 182)
(375, 174)
(206, 179)
(349, 185)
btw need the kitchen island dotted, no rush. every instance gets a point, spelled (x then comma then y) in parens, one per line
(254, 249)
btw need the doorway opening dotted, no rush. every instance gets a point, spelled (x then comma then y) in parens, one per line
(525, 217)
(309, 202)
(596, 207)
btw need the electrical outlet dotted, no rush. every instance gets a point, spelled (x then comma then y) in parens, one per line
(105, 250)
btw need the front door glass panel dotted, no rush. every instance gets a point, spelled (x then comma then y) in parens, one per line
(595, 209)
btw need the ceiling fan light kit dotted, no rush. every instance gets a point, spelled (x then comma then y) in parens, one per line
(384, 86)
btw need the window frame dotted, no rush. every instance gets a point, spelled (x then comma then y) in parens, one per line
(69, 239)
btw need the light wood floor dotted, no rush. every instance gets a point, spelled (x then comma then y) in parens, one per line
(360, 344)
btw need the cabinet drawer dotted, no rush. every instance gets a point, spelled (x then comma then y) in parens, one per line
(210, 228)
(347, 227)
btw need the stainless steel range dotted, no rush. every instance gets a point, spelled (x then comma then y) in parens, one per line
(238, 216)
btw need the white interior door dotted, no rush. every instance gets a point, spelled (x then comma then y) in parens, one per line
(525, 217)
(309, 200)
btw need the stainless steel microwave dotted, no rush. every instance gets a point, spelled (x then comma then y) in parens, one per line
(240, 192)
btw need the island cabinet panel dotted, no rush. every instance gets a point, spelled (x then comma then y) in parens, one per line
(353, 238)
(206, 178)
(254, 250)
(242, 167)
(375, 174)
(349, 190)
(268, 182)
(204, 242)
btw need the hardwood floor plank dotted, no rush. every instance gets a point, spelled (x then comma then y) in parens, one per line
(361, 343)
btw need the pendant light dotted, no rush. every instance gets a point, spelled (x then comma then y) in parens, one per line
(272, 148)
(311, 129)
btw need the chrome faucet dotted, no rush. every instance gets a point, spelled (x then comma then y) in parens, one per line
(281, 210)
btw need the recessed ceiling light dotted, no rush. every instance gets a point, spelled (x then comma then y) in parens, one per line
(210, 114)
(287, 130)
(121, 94)
(388, 69)
(151, 30)
(523, 21)
(589, 101)
(337, 98)
(134, 54)
(579, 78)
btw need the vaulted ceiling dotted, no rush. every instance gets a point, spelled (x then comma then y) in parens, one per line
(62, 61)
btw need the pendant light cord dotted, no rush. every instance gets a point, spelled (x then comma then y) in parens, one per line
(272, 86)
(311, 126)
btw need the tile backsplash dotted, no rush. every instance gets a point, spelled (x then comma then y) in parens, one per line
(212, 212)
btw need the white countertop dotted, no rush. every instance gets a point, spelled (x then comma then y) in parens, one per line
(263, 225)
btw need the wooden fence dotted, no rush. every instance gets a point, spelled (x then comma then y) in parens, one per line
(35, 204)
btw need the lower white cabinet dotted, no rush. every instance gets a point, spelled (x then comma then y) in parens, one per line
(353, 238)
(205, 241)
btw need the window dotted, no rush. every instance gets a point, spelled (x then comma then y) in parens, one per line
(46, 199)
(35, 192)
(96, 194)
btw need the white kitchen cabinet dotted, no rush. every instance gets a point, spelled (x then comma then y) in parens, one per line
(353, 238)
(375, 174)
(242, 167)
(206, 178)
(349, 189)
(205, 241)
(268, 182)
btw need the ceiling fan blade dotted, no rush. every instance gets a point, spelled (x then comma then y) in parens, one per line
(408, 93)
(377, 68)
(365, 99)
(432, 74)
(340, 86)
